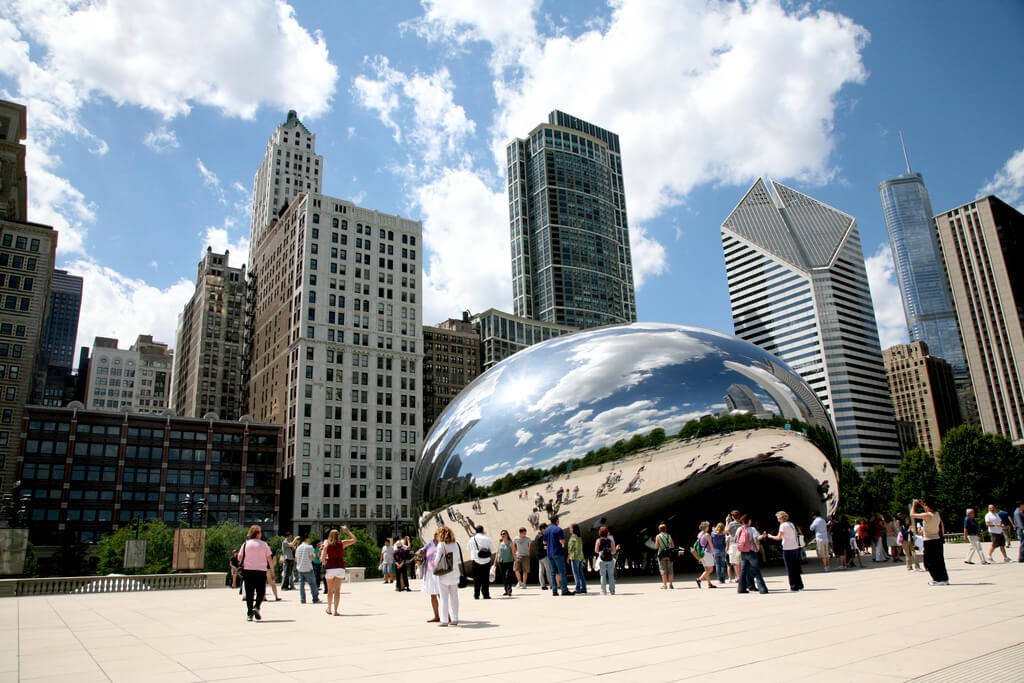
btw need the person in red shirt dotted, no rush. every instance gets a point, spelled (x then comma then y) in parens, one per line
(332, 557)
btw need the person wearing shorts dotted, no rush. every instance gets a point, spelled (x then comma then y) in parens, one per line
(521, 544)
(821, 540)
(664, 544)
(332, 555)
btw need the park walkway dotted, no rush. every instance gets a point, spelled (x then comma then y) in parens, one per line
(879, 623)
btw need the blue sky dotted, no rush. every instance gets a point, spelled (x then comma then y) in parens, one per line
(148, 118)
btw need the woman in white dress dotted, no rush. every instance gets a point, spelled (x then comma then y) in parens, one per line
(429, 584)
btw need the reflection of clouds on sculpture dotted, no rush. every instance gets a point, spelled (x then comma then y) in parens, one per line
(603, 366)
(562, 398)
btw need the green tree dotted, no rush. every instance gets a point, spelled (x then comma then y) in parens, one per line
(220, 541)
(849, 490)
(363, 553)
(918, 478)
(876, 490)
(159, 546)
(961, 461)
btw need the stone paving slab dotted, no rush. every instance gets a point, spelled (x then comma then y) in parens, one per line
(879, 623)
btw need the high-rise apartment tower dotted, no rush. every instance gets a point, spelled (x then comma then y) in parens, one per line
(983, 248)
(799, 289)
(923, 392)
(571, 262)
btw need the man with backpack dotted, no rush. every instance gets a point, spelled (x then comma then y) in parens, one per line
(748, 543)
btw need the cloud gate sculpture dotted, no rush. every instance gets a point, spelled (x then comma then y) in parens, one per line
(756, 437)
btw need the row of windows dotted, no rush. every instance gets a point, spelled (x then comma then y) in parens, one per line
(20, 242)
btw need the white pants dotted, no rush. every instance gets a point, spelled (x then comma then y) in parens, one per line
(975, 548)
(449, 598)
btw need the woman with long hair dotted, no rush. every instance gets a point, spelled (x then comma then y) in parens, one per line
(448, 583)
(332, 556)
(256, 559)
(605, 550)
(934, 559)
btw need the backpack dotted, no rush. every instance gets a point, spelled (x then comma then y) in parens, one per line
(743, 541)
(606, 550)
(697, 551)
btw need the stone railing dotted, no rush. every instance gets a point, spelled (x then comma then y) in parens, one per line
(113, 583)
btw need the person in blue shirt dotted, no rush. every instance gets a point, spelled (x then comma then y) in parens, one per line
(971, 537)
(554, 544)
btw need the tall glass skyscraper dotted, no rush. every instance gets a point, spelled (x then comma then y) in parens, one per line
(799, 289)
(927, 302)
(571, 262)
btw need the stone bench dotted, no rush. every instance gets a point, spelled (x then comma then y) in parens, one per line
(355, 574)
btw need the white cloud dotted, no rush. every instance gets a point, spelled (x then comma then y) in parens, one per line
(885, 293)
(123, 308)
(438, 126)
(698, 92)
(219, 239)
(473, 269)
(211, 180)
(1008, 183)
(522, 436)
(161, 140)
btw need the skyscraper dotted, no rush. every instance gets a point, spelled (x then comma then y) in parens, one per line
(337, 360)
(983, 248)
(571, 261)
(923, 392)
(289, 168)
(208, 352)
(927, 302)
(13, 183)
(799, 289)
(54, 385)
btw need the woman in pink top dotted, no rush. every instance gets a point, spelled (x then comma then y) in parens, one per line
(255, 557)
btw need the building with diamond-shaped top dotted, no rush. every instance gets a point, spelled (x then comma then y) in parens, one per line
(798, 288)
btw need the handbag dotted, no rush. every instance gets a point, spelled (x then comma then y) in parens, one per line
(443, 563)
(493, 573)
(463, 579)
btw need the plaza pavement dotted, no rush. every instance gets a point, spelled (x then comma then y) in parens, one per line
(880, 623)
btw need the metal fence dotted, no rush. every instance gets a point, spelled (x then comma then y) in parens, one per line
(113, 583)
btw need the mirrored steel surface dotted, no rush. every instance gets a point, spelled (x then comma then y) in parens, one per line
(560, 399)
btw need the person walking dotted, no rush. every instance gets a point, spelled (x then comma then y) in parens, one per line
(256, 558)
(481, 554)
(665, 547)
(318, 566)
(705, 554)
(996, 530)
(577, 559)
(934, 561)
(506, 561)
(304, 566)
(387, 561)
(790, 549)
(448, 582)
(971, 532)
(748, 543)
(333, 558)
(605, 549)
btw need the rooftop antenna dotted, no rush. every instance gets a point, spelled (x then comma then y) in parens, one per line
(905, 156)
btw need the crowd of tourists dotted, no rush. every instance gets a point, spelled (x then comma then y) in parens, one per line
(727, 552)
